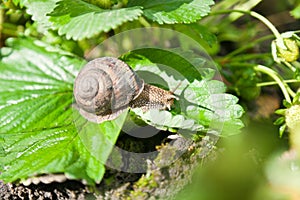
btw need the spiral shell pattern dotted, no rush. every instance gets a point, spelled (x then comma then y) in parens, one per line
(104, 88)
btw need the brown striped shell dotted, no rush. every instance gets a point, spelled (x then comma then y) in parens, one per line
(105, 87)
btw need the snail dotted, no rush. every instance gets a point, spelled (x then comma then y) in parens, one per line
(105, 87)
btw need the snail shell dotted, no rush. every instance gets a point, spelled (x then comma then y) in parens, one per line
(105, 87)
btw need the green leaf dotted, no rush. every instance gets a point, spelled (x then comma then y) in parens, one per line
(282, 130)
(279, 121)
(286, 103)
(16, 2)
(165, 120)
(40, 132)
(244, 81)
(280, 111)
(78, 19)
(39, 10)
(174, 11)
(211, 94)
(189, 67)
(198, 33)
(203, 104)
(296, 12)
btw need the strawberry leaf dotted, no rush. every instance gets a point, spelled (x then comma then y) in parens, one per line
(40, 131)
(174, 11)
(78, 19)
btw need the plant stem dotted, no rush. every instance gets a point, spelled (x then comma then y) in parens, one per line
(245, 57)
(239, 64)
(255, 15)
(283, 86)
(274, 82)
(144, 22)
(1, 24)
(291, 92)
(248, 46)
(267, 23)
(291, 67)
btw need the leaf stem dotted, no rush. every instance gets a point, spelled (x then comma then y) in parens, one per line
(267, 23)
(244, 57)
(291, 92)
(144, 22)
(283, 86)
(1, 24)
(255, 15)
(248, 46)
(291, 67)
(274, 82)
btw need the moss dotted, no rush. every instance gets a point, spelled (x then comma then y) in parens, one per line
(164, 179)
(146, 181)
(167, 174)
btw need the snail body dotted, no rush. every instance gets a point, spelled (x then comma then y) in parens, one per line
(153, 97)
(105, 87)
